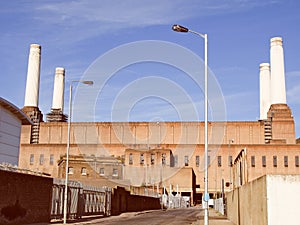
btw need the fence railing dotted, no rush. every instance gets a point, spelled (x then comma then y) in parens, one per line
(82, 200)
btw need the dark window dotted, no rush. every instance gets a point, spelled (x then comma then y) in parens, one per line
(197, 160)
(142, 158)
(163, 158)
(176, 160)
(219, 161)
(275, 161)
(115, 172)
(31, 159)
(297, 161)
(102, 171)
(51, 159)
(41, 159)
(253, 161)
(286, 161)
(230, 161)
(130, 159)
(152, 158)
(263, 159)
(186, 160)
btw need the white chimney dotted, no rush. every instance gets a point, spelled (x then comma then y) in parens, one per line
(58, 91)
(33, 76)
(265, 92)
(278, 93)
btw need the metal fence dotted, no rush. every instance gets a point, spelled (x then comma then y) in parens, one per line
(82, 200)
(177, 201)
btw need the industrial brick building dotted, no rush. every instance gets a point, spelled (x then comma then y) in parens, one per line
(165, 154)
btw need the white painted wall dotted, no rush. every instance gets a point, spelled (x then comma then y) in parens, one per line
(10, 129)
(283, 198)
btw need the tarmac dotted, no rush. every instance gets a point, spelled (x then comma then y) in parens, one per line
(215, 218)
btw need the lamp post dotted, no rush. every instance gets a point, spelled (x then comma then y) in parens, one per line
(179, 28)
(68, 146)
(230, 141)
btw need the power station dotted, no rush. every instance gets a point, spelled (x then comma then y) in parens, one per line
(149, 156)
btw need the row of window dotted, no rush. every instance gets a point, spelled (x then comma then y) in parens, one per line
(41, 159)
(275, 161)
(152, 159)
(115, 171)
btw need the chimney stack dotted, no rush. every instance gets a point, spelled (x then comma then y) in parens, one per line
(33, 76)
(278, 92)
(57, 110)
(265, 97)
(31, 103)
(58, 91)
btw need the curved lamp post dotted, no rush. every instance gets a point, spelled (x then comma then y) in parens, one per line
(87, 82)
(179, 28)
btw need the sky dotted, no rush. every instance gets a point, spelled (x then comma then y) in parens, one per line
(142, 70)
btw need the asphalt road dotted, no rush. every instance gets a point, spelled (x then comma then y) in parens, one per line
(157, 217)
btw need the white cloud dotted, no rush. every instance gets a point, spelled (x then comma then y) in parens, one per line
(93, 18)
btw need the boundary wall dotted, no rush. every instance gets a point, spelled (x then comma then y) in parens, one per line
(268, 200)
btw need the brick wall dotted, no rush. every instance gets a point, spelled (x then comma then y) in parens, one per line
(24, 198)
(123, 201)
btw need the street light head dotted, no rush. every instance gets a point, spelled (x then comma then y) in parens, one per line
(88, 82)
(179, 28)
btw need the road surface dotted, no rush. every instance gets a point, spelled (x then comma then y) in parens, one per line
(157, 217)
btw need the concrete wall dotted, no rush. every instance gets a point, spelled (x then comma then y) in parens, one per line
(247, 204)
(268, 200)
(283, 199)
(24, 198)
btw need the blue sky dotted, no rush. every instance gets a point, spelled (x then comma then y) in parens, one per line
(75, 34)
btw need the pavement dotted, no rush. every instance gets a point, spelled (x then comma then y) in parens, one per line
(214, 218)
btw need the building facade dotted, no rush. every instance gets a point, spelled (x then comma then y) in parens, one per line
(170, 155)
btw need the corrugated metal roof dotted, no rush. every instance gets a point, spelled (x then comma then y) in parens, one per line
(16, 111)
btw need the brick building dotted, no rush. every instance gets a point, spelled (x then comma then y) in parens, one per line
(171, 154)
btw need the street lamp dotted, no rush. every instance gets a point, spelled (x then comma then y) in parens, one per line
(179, 28)
(87, 82)
(230, 141)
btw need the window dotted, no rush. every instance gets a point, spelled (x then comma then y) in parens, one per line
(275, 161)
(163, 159)
(51, 159)
(186, 160)
(101, 171)
(230, 161)
(176, 160)
(219, 161)
(41, 159)
(152, 158)
(130, 159)
(253, 161)
(263, 160)
(115, 172)
(83, 171)
(286, 161)
(70, 170)
(297, 161)
(31, 159)
(197, 160)
(142, 158)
